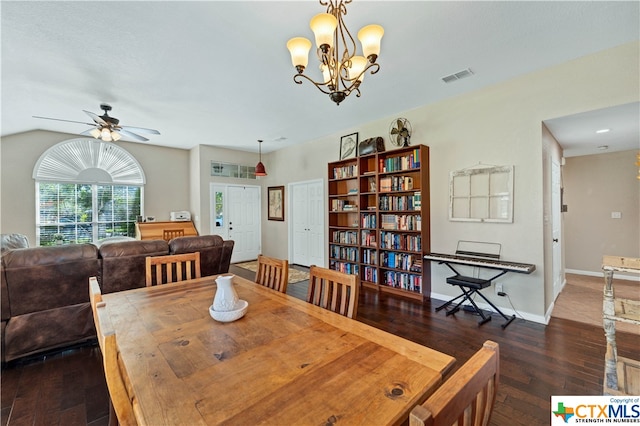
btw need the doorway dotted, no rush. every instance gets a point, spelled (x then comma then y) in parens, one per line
(235, 215)
(306, 227)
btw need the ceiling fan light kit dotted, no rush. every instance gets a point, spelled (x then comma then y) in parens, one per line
(342, 70)
(108, 128)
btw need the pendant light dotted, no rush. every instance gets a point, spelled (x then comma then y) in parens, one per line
(260, 171)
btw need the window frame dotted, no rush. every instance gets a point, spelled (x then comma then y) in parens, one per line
(91, 162)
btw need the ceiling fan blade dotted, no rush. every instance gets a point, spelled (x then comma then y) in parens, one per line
(131, 135)
(68, 121)
(88, 132)
(96, 118)
(140, 129)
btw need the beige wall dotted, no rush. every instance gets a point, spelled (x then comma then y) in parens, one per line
(206, 154)
(166, 171)
(498, 125)
(596, 186)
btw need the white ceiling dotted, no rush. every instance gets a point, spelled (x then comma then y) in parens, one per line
(218, 73)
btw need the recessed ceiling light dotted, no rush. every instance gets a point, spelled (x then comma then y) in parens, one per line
(603, 131)
(603, 147)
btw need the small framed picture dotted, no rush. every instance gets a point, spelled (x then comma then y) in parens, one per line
(275, 200)
(349, 146)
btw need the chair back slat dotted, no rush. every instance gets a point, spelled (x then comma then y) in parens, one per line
(273, 273)
(170, 234)
(172, 268)
(333, 290)
(467, 397)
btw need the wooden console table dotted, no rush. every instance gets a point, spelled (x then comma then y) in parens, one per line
(620, 374)
(155, 230)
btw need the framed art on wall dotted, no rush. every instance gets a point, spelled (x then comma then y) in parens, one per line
(275, 200)
(349, 146)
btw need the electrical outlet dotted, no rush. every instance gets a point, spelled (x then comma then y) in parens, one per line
(499, 289)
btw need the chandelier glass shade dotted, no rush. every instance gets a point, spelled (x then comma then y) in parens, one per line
(342, 69)
(260, 170)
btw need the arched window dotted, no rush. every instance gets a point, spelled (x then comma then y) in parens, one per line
(86, 190)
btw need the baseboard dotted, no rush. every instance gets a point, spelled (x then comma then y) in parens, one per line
(617, 275)
(527, 316)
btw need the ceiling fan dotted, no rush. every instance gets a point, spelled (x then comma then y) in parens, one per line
(108, 128)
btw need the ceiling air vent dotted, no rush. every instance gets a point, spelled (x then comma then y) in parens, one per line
(457, 76)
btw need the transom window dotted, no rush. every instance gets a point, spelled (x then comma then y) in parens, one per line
(86, 190)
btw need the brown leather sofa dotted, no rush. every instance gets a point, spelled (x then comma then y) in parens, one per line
(44, 293)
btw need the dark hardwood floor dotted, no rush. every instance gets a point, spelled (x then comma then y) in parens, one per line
(536, 361)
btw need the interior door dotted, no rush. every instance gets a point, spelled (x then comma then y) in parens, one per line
(307, 223)
(556, 228)
(300, 213)
(316, 223)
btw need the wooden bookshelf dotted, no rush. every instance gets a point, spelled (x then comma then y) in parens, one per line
(379, 220)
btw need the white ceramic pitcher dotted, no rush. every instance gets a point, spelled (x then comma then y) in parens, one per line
(226, 296)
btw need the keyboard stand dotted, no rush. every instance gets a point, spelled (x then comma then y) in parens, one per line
(471, 286)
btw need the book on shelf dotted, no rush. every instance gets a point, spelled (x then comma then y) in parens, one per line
(344, 172)
(385, 184)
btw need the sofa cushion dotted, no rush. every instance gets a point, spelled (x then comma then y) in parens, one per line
(45, 330)
(215, 253)
(42, 278)
(123, 264)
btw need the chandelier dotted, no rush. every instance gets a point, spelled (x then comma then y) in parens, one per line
(342, 70)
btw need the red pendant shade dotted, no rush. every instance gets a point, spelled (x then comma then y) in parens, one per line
(260, 170)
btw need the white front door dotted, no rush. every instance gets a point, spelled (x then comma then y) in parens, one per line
(235, 215)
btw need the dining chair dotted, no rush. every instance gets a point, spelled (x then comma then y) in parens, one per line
(170, 234)
(467, 397)
(122, 404)
(273, 273)
(172, 268)
(333, 290)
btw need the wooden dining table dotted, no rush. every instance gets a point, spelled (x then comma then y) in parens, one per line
(286, 362)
